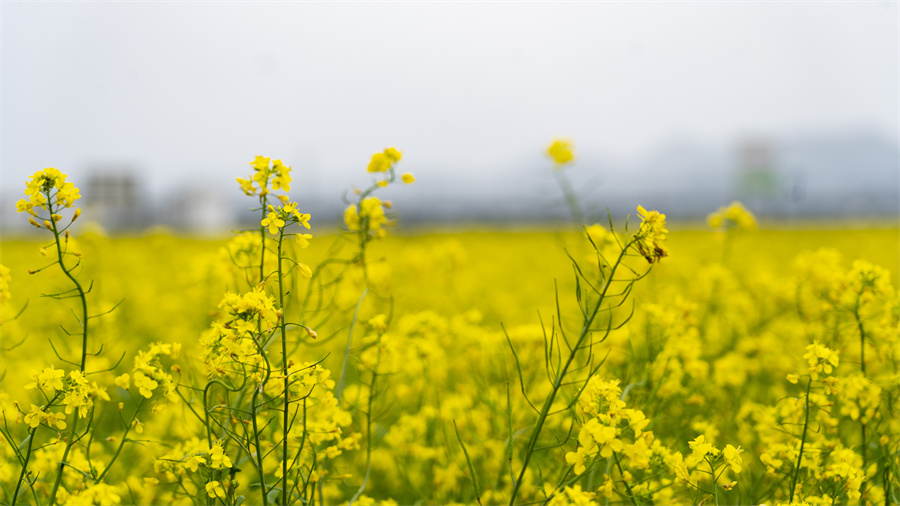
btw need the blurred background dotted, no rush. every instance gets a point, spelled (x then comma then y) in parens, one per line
(153, 109)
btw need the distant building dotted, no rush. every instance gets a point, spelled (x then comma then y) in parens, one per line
(198, 210)
(113, 199)
(758, 176)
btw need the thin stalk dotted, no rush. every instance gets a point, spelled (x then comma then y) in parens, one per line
(712, 472)
(264, 199)
(299, 455)
(365, 482)
(469, 462)
(627, 486)
(571, 198)
(340, 386)
(24, 465)
(862, 365)
(585, 331)
(253, 406)
(122, 444)
(84, 344)
(284, 371)
(802, 442)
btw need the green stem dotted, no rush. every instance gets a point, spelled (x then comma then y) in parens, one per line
(545, 410)
(284, 371)
(262, 238)
(627, 486)
(84, 343)
(121, 444)
(253, 406)
(712, 472)
(802, 442)
(340, 386)
(571, 197)
(365, 482)
(24, 466)
(862, 365)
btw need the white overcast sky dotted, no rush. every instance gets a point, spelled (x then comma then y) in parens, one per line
(189, 92)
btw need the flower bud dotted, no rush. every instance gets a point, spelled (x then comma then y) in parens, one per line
(56, 217)
(311, 332)
(36, 224)
(48, 225)
(77, 214)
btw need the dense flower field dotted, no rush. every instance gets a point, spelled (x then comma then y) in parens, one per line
(633, 361)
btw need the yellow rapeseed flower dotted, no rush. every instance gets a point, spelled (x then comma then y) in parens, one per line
(214, 489)
(733, 457)
(273, 221)
(393, 153)
(260, 163)
(379, 163)
(561, 152)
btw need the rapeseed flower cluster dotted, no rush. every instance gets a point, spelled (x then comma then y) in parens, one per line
(48, 190)
(734, 216)
(267, 176)
(368, 216)
(651, 235)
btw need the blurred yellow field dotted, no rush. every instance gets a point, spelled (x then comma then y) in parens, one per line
(665, 364)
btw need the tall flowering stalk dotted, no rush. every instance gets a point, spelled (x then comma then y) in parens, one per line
(48, 196)
(648, 242)
(562, 154)
(238, 360)
(275, 220)
(366, 219)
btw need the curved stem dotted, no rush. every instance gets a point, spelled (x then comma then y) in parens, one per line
(802, 442)
(122, 444)
(340, 386)
(84, 344)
